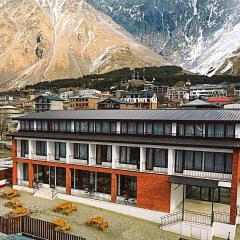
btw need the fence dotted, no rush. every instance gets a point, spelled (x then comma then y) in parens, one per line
(195, 217)
(34, 228)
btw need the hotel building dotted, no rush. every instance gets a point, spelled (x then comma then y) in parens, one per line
(163, 164)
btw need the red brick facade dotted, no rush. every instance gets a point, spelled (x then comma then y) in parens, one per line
(235, 182)
(153, 190)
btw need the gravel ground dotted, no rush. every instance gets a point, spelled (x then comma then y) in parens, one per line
(121, 227)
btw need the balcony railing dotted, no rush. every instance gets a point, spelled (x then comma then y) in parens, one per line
(131, 165)
(22, 155)
(195, 217)
(75, 161)
(35, 156)
(52, 157)
(201, 174)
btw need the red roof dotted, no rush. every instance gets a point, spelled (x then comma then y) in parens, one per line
(220, 99)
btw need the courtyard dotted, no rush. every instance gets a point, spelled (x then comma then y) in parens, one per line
(121, 227)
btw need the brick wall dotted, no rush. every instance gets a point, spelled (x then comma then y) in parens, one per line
(235, 182)
(153, 192)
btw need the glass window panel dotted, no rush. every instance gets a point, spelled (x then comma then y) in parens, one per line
(140, 128)
(149, 158)
(149, 127)
(189, 129)
(62, 126)
(230, 131)
(91, 127)
(158, 128)
(189, 160)
(84, 126)
(83, 151)
(219, 130)
(229, 158)
(124, 127)
(199, 130)
(211, 130)
(179, 161)
(209, 162)
(77, 126)
(106, 127)
(181, 129)
(167, 129)
(225, 194)
(98, 127)
(219, 162)
(198, 156)
(160, 159)
(132, 128)
(113, 127)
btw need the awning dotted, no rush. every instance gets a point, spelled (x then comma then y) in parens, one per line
(194, 181)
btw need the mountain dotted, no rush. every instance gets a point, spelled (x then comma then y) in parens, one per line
(199, 35)
(44, 40)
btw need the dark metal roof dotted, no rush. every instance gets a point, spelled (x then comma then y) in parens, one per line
(164, 115)
(194, 181)
(117, 138)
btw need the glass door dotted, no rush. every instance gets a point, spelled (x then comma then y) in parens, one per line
(52, 177)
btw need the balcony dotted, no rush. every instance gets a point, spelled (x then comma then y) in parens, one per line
(78, 161)
(37, 157)
(133, 165)
(22, 155)
(52, 157)
(202, 174)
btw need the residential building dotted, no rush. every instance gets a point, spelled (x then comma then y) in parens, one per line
(199, 103)
(159, 90)
(178, 93)
(83, 92)
(5, 171)
(47, 103)
(208, 90)
(142, 99)
(6, 100)
(220, 101)
(237, 90)
(166, 163)
(115, 103)
(84, 102)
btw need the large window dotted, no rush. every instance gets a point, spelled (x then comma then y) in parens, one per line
(130, 155)
(218, 195)
(60, 150)
(132, 127)
(106, 127)
(83, 180)
(27, 125)
(156, 158)
(24, 148)
(203, 161)
(221, 130)
(127, 186)
(190, 129)
(81, 151)
(42, 125)
(218, 162)
(103, 153)
(41, 148)
(158, 128)
(61, 177)
(84, 126)
(61, 126)
(25, 172)
(104, 183)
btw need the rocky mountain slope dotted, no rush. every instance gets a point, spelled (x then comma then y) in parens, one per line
(44, 40)
(200, 35)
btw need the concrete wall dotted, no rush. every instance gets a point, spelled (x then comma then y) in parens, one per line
(176, 196)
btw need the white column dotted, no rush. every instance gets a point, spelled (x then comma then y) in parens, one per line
(35, 125)
(142, 159)
(18, 148)
(115, 155)
(50, 150)
(31, 148)
(72, 126)
(68, 152)
(174, 129)
(92, 154)
(237, 130)
(171, 161)
(118, 127)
